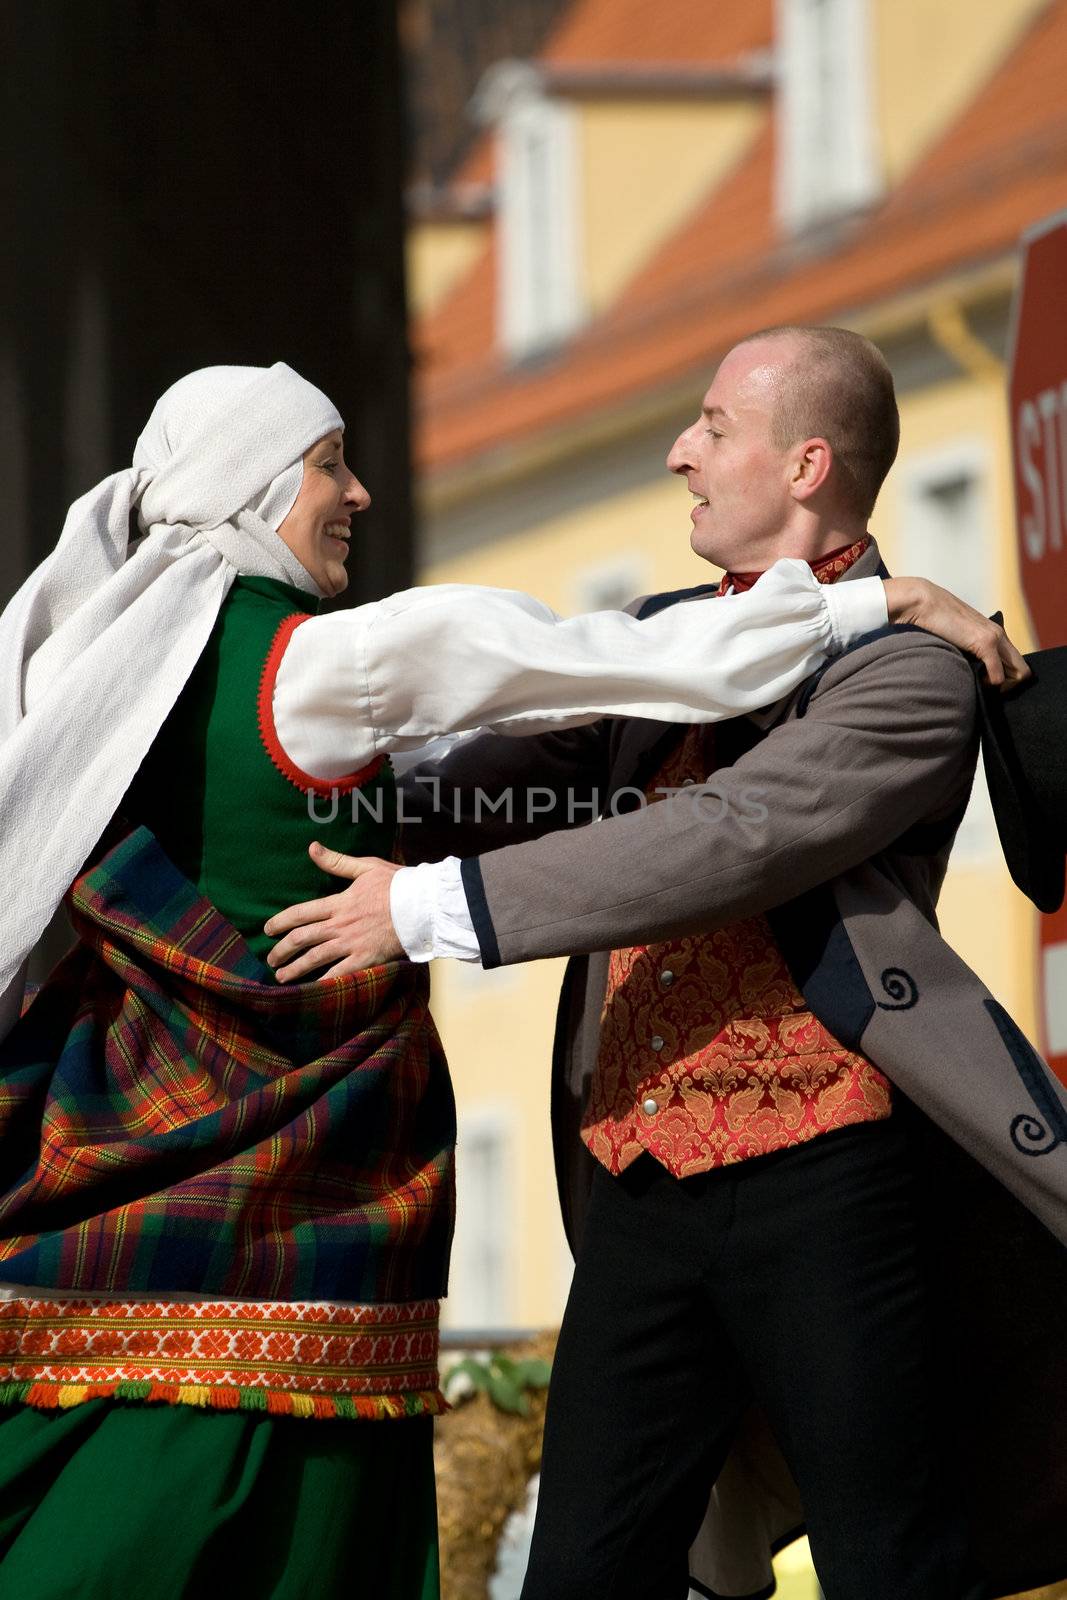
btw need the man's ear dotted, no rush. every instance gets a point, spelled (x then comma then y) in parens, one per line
(812, 463)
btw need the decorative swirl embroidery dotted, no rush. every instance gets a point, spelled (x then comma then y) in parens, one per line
(901, 988)
(1031, 1135)
(1027, 1127)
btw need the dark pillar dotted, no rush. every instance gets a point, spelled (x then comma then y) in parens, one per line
(187, 184)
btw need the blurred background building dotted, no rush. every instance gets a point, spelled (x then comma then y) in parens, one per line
(603, 196)
(631, 194)
(632, 188)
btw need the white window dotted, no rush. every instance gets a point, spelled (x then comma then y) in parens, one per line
(946, 534)
(1055, 987)
(827, 157)
(479, 1291)
(537, 210)
(946, 530)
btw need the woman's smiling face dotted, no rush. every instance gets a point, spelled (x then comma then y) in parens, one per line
(319, 526)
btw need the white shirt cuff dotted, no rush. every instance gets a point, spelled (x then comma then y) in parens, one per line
(855, 609)
(429, 910)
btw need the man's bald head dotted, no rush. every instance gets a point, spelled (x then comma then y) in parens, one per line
(836, 385)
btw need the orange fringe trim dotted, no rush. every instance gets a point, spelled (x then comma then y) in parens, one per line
(371, 1408)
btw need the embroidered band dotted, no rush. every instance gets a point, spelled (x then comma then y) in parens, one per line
(298, 1358)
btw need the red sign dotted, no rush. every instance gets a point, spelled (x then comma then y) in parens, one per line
(1039, 427)
(1038, 393)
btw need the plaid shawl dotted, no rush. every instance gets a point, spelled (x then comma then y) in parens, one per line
(173, 1119)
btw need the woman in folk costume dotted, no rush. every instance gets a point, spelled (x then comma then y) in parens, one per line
(225, 1205)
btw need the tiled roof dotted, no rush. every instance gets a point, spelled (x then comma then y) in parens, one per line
(478, 165)
(1001, 166)
(638, 30)
(461, 332)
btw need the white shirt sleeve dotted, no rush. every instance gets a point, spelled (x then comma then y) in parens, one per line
(428, 902)
(449, 658)
(428, 906)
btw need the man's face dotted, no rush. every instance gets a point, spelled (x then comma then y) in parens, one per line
(739, 476)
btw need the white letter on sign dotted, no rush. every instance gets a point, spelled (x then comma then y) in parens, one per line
(1029, 435)
(1048, 404)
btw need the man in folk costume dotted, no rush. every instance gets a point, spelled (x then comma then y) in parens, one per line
(791, 1289)
(226, 1207)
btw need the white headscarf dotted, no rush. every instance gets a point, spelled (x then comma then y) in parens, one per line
(98, 643)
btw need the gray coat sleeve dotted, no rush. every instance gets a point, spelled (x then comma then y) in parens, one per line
(887, 740)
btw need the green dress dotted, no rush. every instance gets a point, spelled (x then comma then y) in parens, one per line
(111, 1502)
(110, 1498)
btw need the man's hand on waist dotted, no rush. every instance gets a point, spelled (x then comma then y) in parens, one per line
(352, 929)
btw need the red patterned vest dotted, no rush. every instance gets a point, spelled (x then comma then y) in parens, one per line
(708, 1052)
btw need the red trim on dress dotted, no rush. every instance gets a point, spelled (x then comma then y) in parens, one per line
(269, 734)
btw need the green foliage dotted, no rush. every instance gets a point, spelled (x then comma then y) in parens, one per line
(504, 1380)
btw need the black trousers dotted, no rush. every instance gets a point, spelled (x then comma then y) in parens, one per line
(794, 1279)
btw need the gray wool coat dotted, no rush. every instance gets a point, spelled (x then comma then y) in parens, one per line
(833, 813)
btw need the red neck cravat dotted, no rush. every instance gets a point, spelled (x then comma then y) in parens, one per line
(827, 569)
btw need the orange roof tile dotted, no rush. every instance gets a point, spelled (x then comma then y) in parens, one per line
(1001, 166)
(478, 164)
(686, 30)
(461, 332)
(1025, 95)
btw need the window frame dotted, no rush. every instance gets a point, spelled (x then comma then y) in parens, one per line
(540, 301)
(827, 147)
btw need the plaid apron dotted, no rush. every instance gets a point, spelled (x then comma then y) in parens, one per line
(223, 1191)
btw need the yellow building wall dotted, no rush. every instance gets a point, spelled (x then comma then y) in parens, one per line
(795, 1573)
(548, 559)
(929, 58)
(438, 255)
(497, 1030)
(644, 167)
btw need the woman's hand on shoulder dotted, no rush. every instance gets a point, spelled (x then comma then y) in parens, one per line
(928, 606)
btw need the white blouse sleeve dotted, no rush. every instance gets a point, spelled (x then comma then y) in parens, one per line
(444, 659)
(428, 905)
